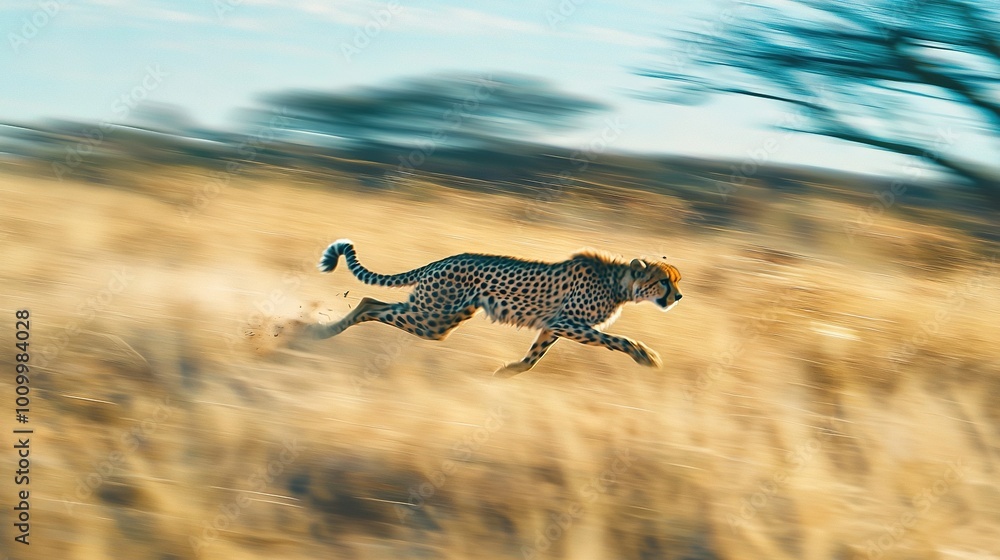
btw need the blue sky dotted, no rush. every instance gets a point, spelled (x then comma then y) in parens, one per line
(214, 57)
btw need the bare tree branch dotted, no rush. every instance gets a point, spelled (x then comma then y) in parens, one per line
(886, 62)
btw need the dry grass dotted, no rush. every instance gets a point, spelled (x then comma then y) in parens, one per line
(820, 399)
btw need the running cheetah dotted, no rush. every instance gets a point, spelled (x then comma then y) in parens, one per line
(573, 299)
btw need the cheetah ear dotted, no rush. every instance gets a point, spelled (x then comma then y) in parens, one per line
(637, 265)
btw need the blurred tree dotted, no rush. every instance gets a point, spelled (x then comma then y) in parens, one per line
(873, 73)
(164, 118)
(441, 111)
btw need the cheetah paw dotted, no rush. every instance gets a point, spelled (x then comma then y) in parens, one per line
(511, 369)
(646, 356)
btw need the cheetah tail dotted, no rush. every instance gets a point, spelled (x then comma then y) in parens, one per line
(328, 263)
(346, 248)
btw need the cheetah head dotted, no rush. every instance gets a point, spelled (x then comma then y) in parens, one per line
(656, 282)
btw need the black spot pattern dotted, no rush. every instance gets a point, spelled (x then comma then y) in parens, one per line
(572, 299)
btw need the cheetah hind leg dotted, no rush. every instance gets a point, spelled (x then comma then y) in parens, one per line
(429, 325)
(542, 342)
(368, 309)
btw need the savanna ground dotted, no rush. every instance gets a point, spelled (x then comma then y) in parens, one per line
(829, 386)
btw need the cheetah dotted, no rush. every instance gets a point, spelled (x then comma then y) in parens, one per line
(573, 299)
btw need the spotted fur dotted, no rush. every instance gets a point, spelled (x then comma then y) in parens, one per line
(574, 299)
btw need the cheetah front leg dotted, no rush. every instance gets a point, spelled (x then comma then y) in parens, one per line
(542, 342)
(585, 334)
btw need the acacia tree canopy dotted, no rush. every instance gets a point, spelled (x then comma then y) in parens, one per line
(455, 110)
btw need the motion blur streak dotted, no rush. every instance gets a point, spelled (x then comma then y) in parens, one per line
(830, 380)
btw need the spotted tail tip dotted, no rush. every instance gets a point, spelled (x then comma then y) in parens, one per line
(332, 254)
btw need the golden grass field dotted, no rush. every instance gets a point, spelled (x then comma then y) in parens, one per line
(821, 397)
